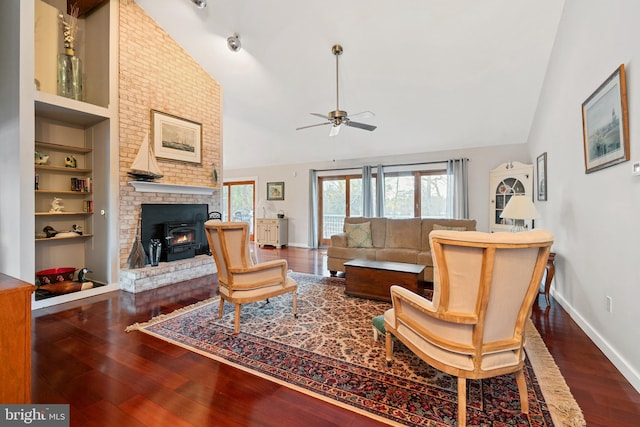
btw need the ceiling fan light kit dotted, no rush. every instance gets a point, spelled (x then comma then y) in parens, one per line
(338, 117)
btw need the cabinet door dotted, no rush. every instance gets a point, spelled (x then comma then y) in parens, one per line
(262, 232)
(506, 181)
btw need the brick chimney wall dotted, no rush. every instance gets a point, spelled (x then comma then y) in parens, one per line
(155, 73)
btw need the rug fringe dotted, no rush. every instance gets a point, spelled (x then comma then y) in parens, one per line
(137, 326)
(557, 394)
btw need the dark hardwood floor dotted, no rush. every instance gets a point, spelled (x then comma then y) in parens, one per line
(82, 356)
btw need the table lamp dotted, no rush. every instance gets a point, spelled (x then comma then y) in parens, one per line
(519, 208)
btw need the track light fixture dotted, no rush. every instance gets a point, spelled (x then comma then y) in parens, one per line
(200, 3)
(234, 43)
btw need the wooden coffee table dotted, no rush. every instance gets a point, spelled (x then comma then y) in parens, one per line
(373, 279)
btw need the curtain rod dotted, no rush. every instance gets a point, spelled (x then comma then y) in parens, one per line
(394, 165)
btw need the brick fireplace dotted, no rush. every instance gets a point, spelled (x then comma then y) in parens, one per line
(155, 207)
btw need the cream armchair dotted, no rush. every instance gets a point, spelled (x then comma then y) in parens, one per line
(484, 287)
(242, 281)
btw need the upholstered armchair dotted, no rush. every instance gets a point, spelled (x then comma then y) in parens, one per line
(484, 287)
(241, 280)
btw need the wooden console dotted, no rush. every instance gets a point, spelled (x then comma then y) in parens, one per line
(15, 340)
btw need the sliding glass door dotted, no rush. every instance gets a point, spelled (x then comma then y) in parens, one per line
(339, 197)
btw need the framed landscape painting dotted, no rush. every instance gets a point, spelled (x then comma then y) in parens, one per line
(605, 124)
(275, 190)
(175, 138)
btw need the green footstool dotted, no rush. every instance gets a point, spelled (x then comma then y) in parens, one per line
(378, 326)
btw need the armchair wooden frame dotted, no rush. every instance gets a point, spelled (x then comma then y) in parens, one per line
(483, 336)
(241, 280)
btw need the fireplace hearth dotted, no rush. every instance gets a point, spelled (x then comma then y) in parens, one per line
(178, 227)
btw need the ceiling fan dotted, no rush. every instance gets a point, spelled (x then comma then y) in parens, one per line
(338, 117)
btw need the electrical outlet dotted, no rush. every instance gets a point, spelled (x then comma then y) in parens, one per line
(609, 304)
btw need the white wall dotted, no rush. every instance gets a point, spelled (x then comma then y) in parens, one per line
(16, 140)
(296, 179)
(594, 216)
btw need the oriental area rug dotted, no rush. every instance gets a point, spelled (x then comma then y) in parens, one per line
(329, 352)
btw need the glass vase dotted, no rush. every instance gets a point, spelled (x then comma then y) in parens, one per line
(69, 76)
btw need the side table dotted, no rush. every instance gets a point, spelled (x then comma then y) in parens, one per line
(551, 271)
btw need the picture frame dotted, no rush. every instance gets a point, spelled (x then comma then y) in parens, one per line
(541, 176)
(175, 138)
(605, 124)
(275, 190)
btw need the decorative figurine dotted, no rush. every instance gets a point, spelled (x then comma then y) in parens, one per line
(81, 274)
(70, 162)
(40, 158)
(56, 205)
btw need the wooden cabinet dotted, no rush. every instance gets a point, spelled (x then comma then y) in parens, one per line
(272, 232)
(15, 340)
(505, 181)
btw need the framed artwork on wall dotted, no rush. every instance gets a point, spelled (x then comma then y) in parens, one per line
(275, 190)
(541, 176)
(175, 138)
(605, 124)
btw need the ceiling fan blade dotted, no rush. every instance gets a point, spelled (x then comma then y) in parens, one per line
(360, 125)
(334, 130)
(324, 116)
(312, 126)
(362, 115)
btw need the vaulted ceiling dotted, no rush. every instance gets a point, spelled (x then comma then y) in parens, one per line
(438, 74)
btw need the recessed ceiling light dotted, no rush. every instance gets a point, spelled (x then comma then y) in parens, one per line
(200, 3)
(234, 43)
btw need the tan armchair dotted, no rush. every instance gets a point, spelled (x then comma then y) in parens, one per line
(484, 287)
(242, 281)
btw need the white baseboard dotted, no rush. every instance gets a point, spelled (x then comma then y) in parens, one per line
(618, 361)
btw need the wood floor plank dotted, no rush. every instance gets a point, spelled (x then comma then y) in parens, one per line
(82, 356)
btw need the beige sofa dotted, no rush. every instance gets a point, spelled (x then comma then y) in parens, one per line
(395, 240)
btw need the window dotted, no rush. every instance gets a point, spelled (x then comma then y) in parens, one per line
(238, 202)
(415, 194)
(407, 194)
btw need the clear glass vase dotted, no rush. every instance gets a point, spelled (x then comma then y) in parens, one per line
(69, 76)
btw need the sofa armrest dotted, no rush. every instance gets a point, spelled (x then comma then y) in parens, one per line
(339, 240)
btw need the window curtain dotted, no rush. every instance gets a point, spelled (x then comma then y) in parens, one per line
(313, 209)
(457, 189)
(367, 195)
(380, 191)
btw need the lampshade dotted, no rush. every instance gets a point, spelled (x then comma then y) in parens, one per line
(519, 208)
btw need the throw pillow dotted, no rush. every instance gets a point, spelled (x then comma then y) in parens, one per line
(446, 227)
(358, 235)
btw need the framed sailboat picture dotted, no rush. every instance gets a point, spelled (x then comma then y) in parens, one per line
(175, 138)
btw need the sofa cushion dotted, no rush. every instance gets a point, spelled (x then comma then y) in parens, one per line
(378, 228)
(448, 227)
(428, 223)
(351, 253)
(403, 233)
(410, 256)
(358, 235)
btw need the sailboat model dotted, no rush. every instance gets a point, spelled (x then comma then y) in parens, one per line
(145, 167)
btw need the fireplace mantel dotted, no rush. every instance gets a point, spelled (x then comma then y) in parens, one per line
(159, 187)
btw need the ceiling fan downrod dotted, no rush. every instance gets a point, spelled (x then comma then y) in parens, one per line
(337, 115)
